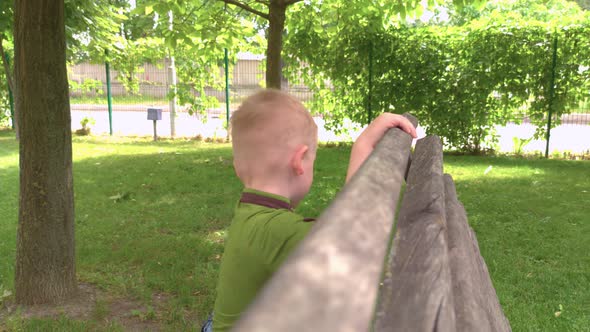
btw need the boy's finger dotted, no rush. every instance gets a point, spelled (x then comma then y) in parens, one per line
(408, 127)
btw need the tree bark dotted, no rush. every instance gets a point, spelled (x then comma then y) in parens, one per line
(45, 270)
(276, 25)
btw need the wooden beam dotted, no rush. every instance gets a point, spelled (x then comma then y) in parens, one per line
(416, 293)
(476, 303)
(437, 280)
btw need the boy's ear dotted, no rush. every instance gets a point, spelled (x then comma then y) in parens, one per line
(297, 159)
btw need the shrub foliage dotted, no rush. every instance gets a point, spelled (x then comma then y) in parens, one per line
(460, 81)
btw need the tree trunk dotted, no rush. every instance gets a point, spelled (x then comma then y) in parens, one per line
(45, 270)
(276, 26)
(584, 4)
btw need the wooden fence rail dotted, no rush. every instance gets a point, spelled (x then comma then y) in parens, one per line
(341, 277)
(436, 278)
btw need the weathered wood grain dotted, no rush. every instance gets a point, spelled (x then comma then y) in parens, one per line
(330, 282)
(416, 293)
(476, 303)
(437, 279)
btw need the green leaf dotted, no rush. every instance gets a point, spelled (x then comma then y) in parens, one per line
(149, 10)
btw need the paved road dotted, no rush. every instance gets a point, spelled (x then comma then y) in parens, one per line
(132, 120)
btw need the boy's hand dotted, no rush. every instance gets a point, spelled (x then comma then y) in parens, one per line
(366, 142)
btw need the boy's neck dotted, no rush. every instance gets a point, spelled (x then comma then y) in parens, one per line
(270, 188)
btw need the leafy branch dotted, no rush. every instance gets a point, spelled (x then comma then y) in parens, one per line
(249, 8)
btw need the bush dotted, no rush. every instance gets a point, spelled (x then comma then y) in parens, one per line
(460, 81)
(86, 122)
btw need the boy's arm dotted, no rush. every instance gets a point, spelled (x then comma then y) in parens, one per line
(366, 142)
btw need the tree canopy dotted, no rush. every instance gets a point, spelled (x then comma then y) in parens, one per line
(197, 31)
(474, 64)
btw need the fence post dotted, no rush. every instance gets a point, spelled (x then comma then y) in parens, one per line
(172, 103)
(227, 92)
(227, 101)
(173, 80)
(109, 96)
(369, 97)
(10, 96)
(551, 93)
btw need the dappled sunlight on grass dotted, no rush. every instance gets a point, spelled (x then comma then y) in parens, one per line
(8, 157)
(532, 220)
(217, 236)
(152, 217)
(8, 149)
(166, 200)
(100, 146)
(489, 168)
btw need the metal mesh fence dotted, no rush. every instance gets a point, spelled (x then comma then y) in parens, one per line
(88, 88)
(578, 115)
(88, 91)
(149, 87)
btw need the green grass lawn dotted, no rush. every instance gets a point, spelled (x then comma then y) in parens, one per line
(532, 220)
(151, 219)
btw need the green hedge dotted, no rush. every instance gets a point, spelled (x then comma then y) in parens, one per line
(460, 81)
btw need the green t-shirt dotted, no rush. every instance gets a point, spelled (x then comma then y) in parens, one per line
(262, 234)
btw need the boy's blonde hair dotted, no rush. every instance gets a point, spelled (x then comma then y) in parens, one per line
(266, 126)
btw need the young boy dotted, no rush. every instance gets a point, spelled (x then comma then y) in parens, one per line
(274, 140)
